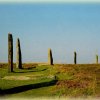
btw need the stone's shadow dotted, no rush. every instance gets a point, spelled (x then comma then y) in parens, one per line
(27, 87)
(30, 71)
(30, 68)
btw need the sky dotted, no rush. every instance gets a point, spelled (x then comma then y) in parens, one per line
(17, 1)
(63, 27)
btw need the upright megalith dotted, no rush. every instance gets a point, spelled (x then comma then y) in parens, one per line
(18, 55)
(96, 59)
(50, 58)
(10, 52)
(75, 58)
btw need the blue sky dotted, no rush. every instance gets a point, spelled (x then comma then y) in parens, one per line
(63, 27)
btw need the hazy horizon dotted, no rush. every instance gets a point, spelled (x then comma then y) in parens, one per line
(64, 28)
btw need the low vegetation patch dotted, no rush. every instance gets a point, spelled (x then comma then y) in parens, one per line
(60, 80)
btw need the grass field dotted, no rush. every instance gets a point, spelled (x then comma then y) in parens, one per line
(59, 80)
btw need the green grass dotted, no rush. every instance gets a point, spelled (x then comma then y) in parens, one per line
(80, 80)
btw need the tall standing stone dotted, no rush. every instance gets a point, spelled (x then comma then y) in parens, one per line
(19, 55)
(10, 53)
(50, 58)
(75, 58)
(96, 59)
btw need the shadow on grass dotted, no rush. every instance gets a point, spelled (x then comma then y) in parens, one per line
(30, 68)
(26, 87)
(36, 70)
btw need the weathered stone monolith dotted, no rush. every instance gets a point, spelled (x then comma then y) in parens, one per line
(96, 59)
(50, 58)
(10, 53)
(75, 58)
(18, 55)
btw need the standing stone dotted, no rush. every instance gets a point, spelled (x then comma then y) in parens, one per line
(75, 58)
(19, 56)
(96, 59)
(50, 58)
(10, 53)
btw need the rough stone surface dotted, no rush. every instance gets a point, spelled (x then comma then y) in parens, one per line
(10, 53)
(18, 55)
(75, 58)
(50, 58)
(96, 59)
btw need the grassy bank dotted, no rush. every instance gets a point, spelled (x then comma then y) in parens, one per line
(59, 80)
